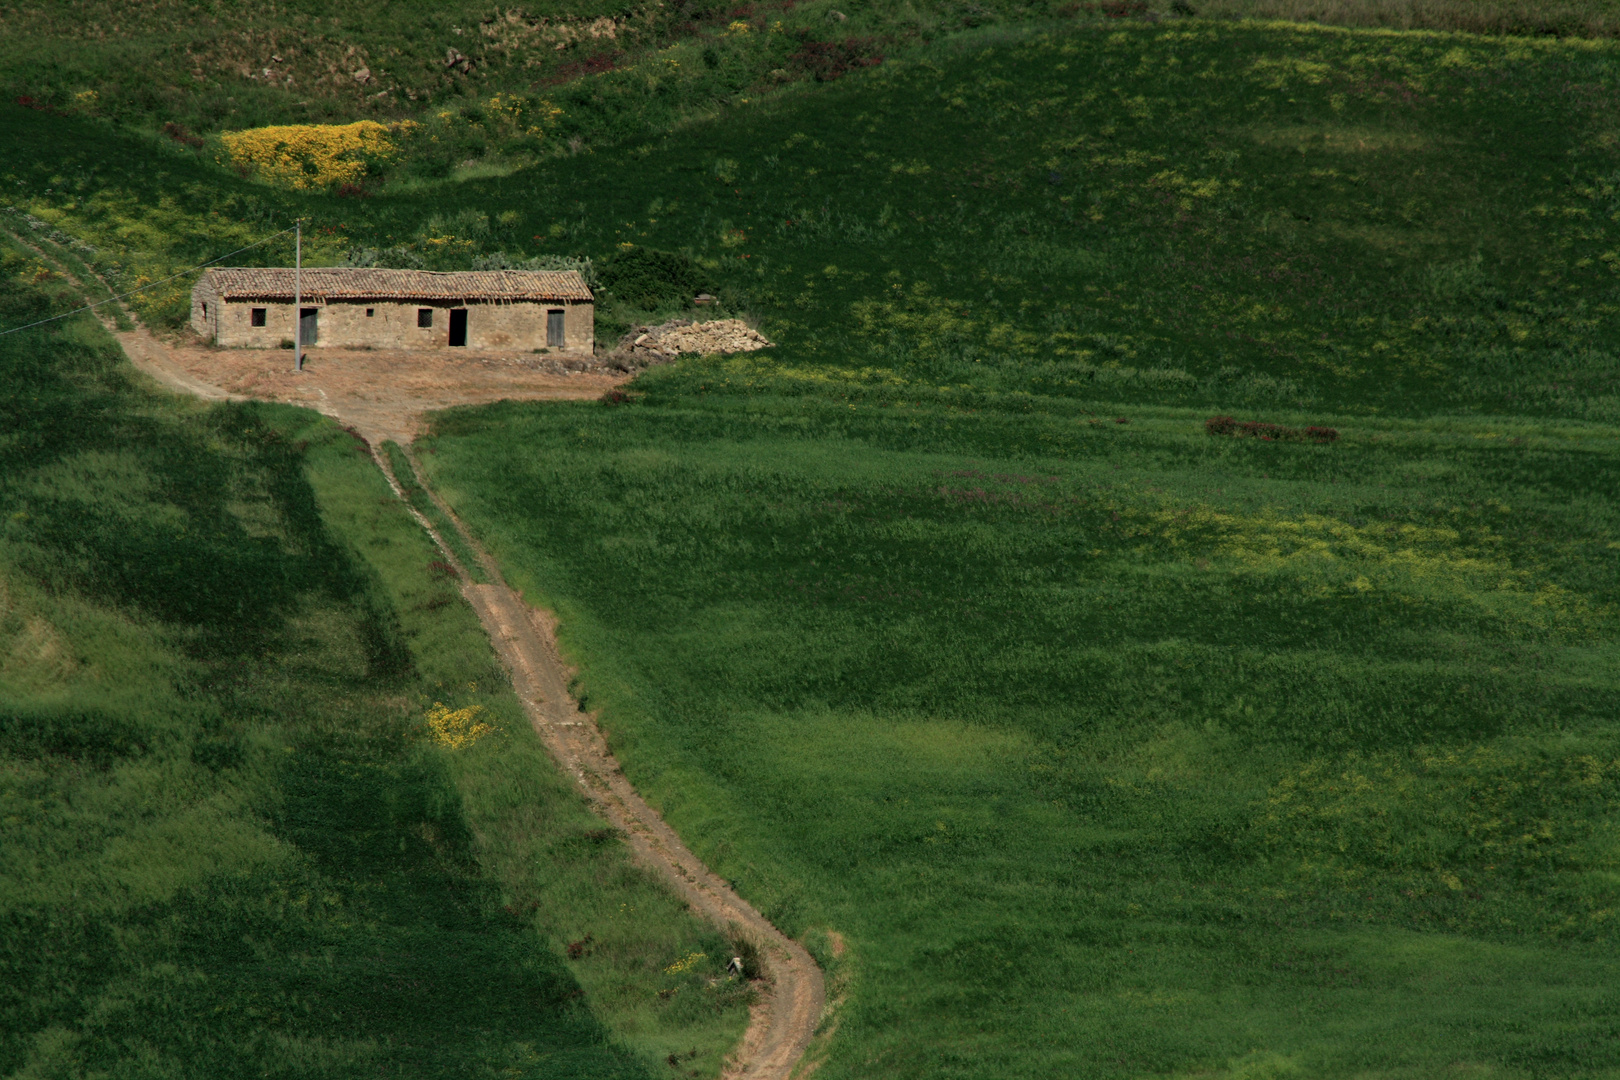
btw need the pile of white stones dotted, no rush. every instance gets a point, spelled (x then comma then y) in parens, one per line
(644, 346)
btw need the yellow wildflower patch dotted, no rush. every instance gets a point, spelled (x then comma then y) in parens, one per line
(1186, 190)
(1411, 564)
(686, 963)
(456, 729)
(1459, 58)
(308, 156)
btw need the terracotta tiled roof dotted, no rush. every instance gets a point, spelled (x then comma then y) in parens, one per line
(362, 283)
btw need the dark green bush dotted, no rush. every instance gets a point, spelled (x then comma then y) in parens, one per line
(647, 277)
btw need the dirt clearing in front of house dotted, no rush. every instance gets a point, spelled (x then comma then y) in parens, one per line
(387, 391)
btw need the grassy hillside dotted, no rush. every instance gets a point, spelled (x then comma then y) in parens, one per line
(233, 845)
(1113, 747)
(484, 90)
(1201, 214)
(1562, 18)
(488, 88)
(204, 66)
(1108, 745)
(1312, 218)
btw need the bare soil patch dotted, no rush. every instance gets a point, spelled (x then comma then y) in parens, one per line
(386, 392)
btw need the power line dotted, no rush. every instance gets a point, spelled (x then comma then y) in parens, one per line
(148, 285)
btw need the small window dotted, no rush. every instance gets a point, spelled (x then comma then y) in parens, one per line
(424, 316)
(205, 309)
(256, 317)
(370, 312)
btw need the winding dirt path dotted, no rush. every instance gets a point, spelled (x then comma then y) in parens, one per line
(791, 997)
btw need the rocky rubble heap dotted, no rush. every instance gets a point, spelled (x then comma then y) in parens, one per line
(645, 346)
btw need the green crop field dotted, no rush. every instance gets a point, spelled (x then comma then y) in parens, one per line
(1107, 742)
(1114, 747)
(1114, 750)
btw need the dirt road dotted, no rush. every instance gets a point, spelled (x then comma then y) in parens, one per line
(791, 999)
(384, 396)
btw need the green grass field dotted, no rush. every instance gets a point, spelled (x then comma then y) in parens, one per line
(1113, 747)
(1110, 746)
(1114, 750)
(232, 846)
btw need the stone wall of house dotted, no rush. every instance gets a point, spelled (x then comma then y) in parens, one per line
(205, 310)
(387, 324)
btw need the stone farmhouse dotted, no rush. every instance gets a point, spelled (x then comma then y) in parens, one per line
(353, 307)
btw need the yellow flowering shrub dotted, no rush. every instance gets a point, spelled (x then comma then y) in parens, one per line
(456, 729)
(305, 156)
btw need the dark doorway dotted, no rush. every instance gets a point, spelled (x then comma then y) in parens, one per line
(307, 330)
(458, 326)
(554, 330)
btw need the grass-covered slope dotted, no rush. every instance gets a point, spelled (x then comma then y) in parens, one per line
(1556, 18)
(481, 89)
(189, 68)
(1188, 212)
(229, 843)
(1110, 748)
(1113, 747)
(1277, 216)
(206, 65)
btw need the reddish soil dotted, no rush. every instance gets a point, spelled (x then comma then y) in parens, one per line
(383, 392)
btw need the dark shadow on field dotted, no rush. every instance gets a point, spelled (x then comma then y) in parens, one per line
(390, 938)
(99, 465)
(380, 942)
(364, 942)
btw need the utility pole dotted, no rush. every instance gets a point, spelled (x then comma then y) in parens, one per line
(298, 296)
